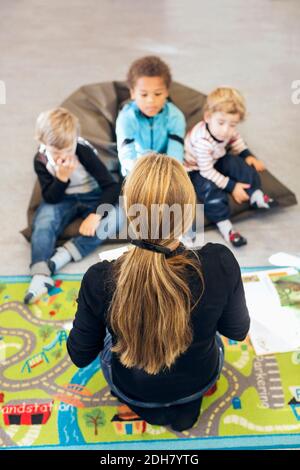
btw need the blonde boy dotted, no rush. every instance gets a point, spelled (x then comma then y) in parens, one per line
(74, 182)
(219, 162)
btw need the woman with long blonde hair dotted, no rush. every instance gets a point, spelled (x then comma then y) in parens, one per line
(154, 313)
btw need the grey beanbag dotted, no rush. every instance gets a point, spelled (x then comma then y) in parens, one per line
(97, 106)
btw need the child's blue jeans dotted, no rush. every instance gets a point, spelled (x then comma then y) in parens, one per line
(51, 219)
(215, 199)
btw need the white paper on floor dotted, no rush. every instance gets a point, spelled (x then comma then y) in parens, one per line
(274, 328)
(113, 254)
(285, 259)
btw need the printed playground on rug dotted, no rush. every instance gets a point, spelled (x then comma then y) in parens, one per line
(46, 401)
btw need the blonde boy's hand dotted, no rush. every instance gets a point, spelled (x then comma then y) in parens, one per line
(89, 225)
(258, 164)
(239, 194)
(65, 167)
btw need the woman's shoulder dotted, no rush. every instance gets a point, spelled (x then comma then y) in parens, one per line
(97, 275)
(99, 270)
(217, 255)
(217, 248)
(95, 284)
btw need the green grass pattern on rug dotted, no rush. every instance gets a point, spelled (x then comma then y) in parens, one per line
(45, 400)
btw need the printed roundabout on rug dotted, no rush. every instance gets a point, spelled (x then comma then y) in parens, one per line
(47, 402)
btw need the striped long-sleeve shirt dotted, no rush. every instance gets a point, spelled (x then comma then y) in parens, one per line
(202, 151)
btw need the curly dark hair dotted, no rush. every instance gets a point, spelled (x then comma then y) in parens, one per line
(149, 66)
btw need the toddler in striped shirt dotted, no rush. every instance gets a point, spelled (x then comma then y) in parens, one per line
(219, 162)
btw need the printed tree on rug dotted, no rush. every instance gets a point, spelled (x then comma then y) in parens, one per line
(94, 419)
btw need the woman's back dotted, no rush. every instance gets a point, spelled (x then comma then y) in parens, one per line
(153, 315)
(222, 308)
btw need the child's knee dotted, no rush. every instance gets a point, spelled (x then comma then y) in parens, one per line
(45, 217)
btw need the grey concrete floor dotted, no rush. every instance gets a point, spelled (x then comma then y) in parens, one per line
(48, 49)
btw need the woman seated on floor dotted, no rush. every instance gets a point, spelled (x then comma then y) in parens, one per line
(155, 314)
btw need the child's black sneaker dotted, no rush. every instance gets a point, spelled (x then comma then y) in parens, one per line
(236, 239)
(39, 285)
(51, 266)
(270, 201)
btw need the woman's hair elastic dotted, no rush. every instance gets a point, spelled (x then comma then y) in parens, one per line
(145, 245)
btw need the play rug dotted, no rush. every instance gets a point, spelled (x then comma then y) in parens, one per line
(46, 401)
